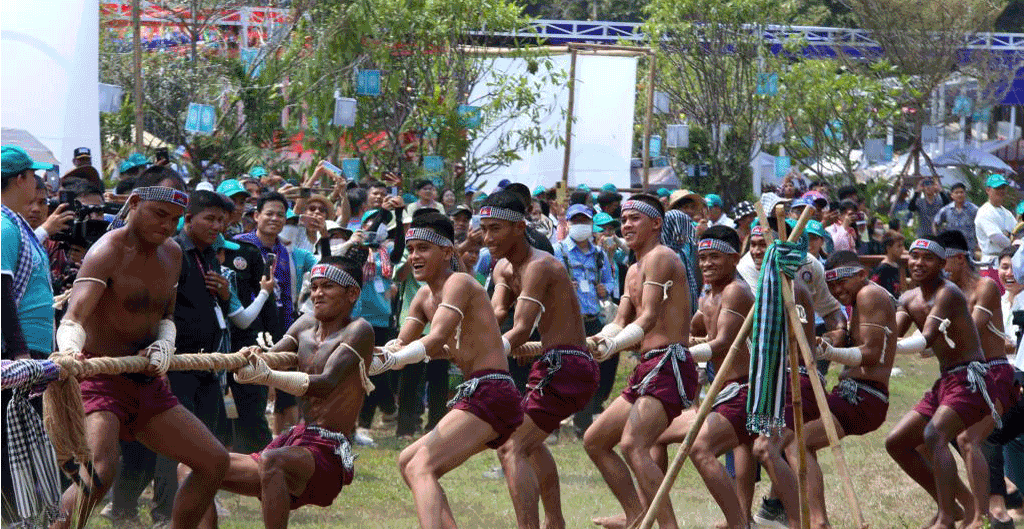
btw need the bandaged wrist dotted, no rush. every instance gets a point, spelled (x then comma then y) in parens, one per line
(610, 330)
(167, 331)
(628, 337)
(701, 352)
(409, 354)
(70, 337)
(506, 346)
(915, 343)
(294, 382)
(848, 356)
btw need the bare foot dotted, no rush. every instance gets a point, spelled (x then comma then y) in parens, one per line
(721, 525)
(958, 515)
(612, 522)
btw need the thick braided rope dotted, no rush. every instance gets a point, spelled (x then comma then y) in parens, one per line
(186, 362)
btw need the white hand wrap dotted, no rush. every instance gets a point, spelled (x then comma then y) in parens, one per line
(393, 346)
(701, 352)
(160, 353)
(628, 337)
(380, 364)
(167, 331)
(849, 356)
(294, 382)
(506, 346)
(70, 337)
(410, 354)
(607, 333)
(915, 343)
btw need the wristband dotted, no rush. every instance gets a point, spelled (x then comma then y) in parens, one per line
(915, 343)
(628, 337)
(409, 354)
(848, 356)
(701, 352)
(70, 337)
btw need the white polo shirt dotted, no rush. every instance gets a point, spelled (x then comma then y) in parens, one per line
(993, 227)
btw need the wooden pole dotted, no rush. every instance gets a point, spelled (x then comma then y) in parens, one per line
(794, 390)
(819, 391)
(716, 386)
(568, 122)
(647, 122)
(137, 73)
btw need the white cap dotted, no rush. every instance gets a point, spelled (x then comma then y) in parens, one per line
(204, 186)
(331, 225)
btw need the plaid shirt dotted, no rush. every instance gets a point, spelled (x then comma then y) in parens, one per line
(29, 243)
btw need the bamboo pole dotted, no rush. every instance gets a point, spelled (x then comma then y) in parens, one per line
(796, 396)
(137, 73)
(789, 298)
(716, 386)
(568, 122)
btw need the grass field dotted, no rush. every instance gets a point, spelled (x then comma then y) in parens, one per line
(378, 498)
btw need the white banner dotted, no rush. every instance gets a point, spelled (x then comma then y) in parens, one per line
(602, 140)
(50, 78)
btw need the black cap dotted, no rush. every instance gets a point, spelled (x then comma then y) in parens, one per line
(83, 151)
(462, 208)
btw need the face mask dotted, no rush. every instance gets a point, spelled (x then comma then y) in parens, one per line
(580, 232)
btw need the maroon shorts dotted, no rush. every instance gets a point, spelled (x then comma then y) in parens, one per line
(734, 410)
(953, 391)
(1001, 382)
(664, 386)
(808, 404)
(134, 399)
(497, 402)
(331, 472)
(553, 396)
(863, 416)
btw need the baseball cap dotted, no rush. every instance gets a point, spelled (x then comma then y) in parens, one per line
(133, 161)
(503, 182)
(579, 209)
(257, 171)
(290, 215)
(996, 180)
(609, 188)
(409, 198)
(602, 219)
(742, 209)
(801, 202)
(1020, 208)
(86, 172)
(583, 187)
(815, 228)
(470, 190)
(204, 186)
(83, 152)
(713, 200)
(231, 187)
(664, 192)
(815, 196)
(15, 160)
(539, 190)
(221, 242)
(462, 208)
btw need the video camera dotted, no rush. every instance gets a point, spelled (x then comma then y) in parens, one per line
(84, 231)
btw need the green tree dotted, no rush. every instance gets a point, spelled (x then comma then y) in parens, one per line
(829, 112)
(709, 60)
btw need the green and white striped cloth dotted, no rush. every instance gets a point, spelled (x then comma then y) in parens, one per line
(766, 398)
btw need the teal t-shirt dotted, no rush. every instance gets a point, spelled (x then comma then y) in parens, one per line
(36, 308)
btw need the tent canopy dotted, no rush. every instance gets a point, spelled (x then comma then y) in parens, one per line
(24, 139)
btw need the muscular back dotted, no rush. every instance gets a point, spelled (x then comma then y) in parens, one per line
(947, 302)
(544, 278)
(874, 305)
(122, 318)
(671, 316)
(336, 404)
(986, 309)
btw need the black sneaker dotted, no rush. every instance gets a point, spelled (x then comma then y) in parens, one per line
(771, 514)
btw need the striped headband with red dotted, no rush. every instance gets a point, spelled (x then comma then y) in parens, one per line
(642, 207)
(332, 273)
(929, 246)
(715, 244)
(493, 212)
(431, 236)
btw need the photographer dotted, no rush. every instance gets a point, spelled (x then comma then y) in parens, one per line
(81, 201)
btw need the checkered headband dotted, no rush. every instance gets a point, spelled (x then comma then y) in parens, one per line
(929, 246)
(642, 207)
(492, 212)
(715, 244)
(950, 252)
(841, 272)
(333, 273)
(431, 236)
(162, 194)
